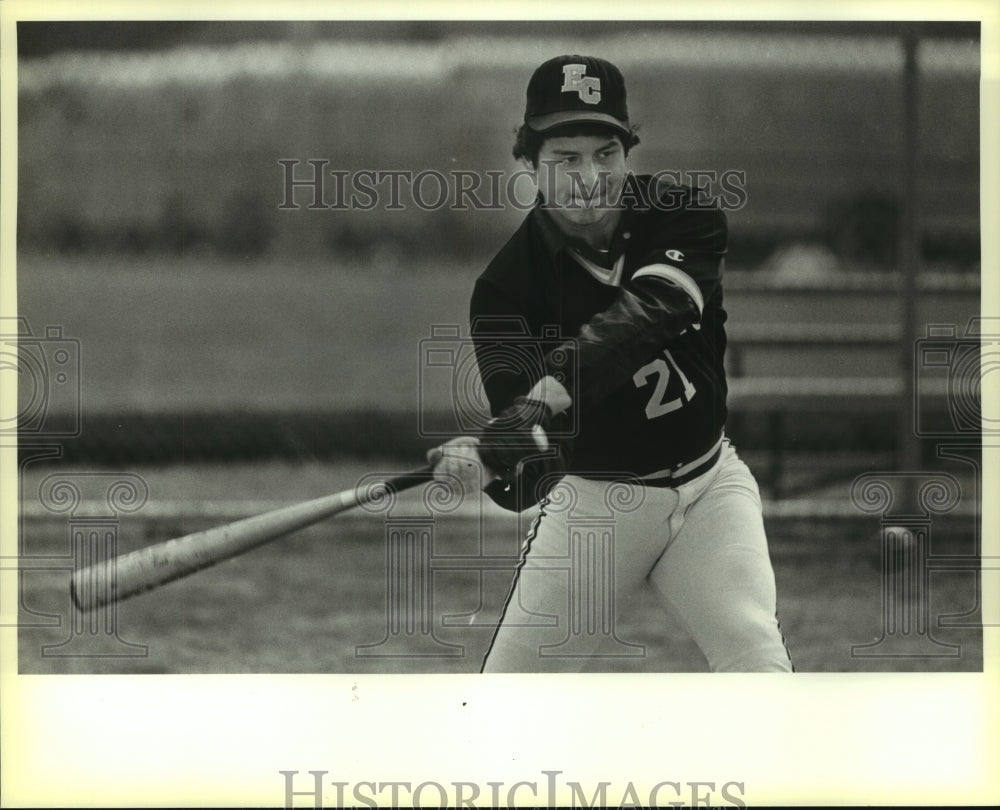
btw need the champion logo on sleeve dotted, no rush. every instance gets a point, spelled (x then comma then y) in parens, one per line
(675, 255)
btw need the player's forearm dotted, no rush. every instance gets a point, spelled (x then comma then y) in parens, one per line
(604, 354)
(494, 318)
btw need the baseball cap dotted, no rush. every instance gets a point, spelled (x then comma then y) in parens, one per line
(574, 88)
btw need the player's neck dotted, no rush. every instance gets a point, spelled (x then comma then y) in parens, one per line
(596, 235)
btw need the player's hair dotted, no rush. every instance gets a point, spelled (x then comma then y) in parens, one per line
(528, 143)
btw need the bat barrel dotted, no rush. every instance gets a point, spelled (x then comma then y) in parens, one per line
(147, 568)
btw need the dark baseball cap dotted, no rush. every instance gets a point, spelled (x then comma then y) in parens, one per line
(572, 88)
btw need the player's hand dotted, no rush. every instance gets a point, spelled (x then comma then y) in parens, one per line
(460, 459)
(516, 434)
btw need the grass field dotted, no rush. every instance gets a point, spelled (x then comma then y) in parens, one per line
(168, 334)
(306, 603)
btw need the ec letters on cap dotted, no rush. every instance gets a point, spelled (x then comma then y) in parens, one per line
(575, 79)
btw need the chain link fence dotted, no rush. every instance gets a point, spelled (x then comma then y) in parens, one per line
(219, 319)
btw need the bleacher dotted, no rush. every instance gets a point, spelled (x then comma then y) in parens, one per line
(833, 349)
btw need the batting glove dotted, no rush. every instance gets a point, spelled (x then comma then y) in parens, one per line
(458, 460)
(519, 432)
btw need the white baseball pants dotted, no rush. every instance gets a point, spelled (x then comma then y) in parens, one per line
(701, 546)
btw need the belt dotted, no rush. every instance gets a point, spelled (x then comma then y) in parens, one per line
(687, 471)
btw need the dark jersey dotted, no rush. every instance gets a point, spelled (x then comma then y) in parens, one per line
(637, 335)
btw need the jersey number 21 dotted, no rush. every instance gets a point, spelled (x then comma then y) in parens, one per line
(661, 368)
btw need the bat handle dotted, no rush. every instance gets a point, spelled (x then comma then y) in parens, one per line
(410, 479)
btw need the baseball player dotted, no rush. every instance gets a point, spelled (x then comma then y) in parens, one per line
(617, 281)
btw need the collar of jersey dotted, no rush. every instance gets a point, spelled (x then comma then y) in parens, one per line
(611, 276)
(556, 241)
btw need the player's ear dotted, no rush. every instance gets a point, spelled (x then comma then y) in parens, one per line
(527, 165)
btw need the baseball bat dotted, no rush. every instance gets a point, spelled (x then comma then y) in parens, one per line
(142, 570)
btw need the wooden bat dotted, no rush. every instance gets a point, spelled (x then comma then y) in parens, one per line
(142, 570)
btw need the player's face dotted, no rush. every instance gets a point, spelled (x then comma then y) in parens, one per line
(581, 177)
